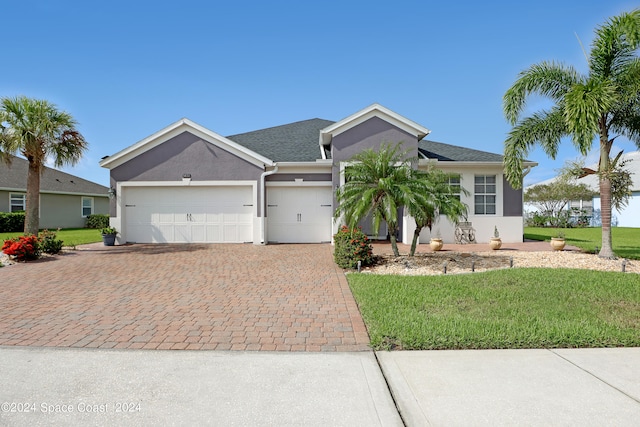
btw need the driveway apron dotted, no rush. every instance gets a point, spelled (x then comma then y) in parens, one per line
(191, 296)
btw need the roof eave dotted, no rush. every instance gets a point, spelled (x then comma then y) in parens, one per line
(68, 193)
(469, 164)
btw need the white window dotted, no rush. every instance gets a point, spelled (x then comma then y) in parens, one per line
(485, 194)
(17, 202)
(454, 183)
(87, 206)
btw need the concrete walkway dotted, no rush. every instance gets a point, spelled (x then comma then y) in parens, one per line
(87, 387)
(562, 387)
(84, 387)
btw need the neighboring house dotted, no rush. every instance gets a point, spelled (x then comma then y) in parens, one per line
(186, 183)
(627, 217)
(65, 200)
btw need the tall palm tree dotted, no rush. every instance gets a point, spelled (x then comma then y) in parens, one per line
(379, 183)
(603, 103)
(441, 199)
(37, 130)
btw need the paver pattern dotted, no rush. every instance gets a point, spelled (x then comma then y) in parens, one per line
(191, 296)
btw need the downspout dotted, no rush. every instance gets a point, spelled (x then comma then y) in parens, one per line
(263, 205)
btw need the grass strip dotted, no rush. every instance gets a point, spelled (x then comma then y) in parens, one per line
(70, 236)
(626, 240)
(516, 308)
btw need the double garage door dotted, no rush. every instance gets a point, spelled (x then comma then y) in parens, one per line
(188, 214)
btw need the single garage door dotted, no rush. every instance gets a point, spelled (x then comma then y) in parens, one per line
(189, 214)
(299, 214)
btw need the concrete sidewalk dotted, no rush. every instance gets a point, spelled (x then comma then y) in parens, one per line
(85, 387)
(569, 387)
(78, 387)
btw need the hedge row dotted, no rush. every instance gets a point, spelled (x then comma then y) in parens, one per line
(11, 222)
(98, 221)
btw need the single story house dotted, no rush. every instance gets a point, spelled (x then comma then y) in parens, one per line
(65, 200)
(186, 183)
(626, 217)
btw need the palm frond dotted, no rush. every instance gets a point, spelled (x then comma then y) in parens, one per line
(615, 44)
(545, 128)
(584, 106)
(548, 79)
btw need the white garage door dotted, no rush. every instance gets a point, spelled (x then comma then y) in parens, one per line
(188, 214)
(299, 214)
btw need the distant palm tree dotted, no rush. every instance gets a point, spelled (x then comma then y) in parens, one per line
(602, 103)
(441, 199)
(37, 130)
(377, 183)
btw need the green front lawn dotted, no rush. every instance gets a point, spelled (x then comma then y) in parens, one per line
(514, 308)
(626, 241)
(70, 236)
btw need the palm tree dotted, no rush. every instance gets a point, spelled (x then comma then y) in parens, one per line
(441, 199)
(602, 103)
(37, 130)
(379, 183)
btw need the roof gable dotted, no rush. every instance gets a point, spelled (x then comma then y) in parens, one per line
(14, 177)
(184, 125)
(374, 110)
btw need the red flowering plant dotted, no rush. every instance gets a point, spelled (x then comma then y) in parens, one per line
(22, 248)
(351, 246)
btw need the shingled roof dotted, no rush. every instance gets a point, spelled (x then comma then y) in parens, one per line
(295, 142)
(14, 177)
(298, 142)
(453, 153)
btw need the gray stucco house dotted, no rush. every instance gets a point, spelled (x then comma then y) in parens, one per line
(65, 200)
(187, 183)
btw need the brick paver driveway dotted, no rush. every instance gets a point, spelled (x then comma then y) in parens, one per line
(218, 297)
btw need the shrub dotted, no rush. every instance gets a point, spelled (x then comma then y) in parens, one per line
(108, 230)
(48, 242)
(11, 222)
(352, 246)
(22, 248)
(97, 221)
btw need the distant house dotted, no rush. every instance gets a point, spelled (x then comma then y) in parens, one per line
(65, 200)
(186, 183)
(627, 217)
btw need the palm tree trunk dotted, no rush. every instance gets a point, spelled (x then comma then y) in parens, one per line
(393, 229)
(414, 242)
(32, 214)
(605, 198)
(605, 211)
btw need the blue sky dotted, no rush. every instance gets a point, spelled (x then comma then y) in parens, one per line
(126, 69)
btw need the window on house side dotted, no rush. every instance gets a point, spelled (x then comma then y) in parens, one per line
(454, 183)
(87, 206)
(485, 195)
(17, 202)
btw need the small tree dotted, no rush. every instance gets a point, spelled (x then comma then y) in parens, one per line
(619, 175)
(37, 129)
(379, 183)
(441, 199)
(551, 199)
